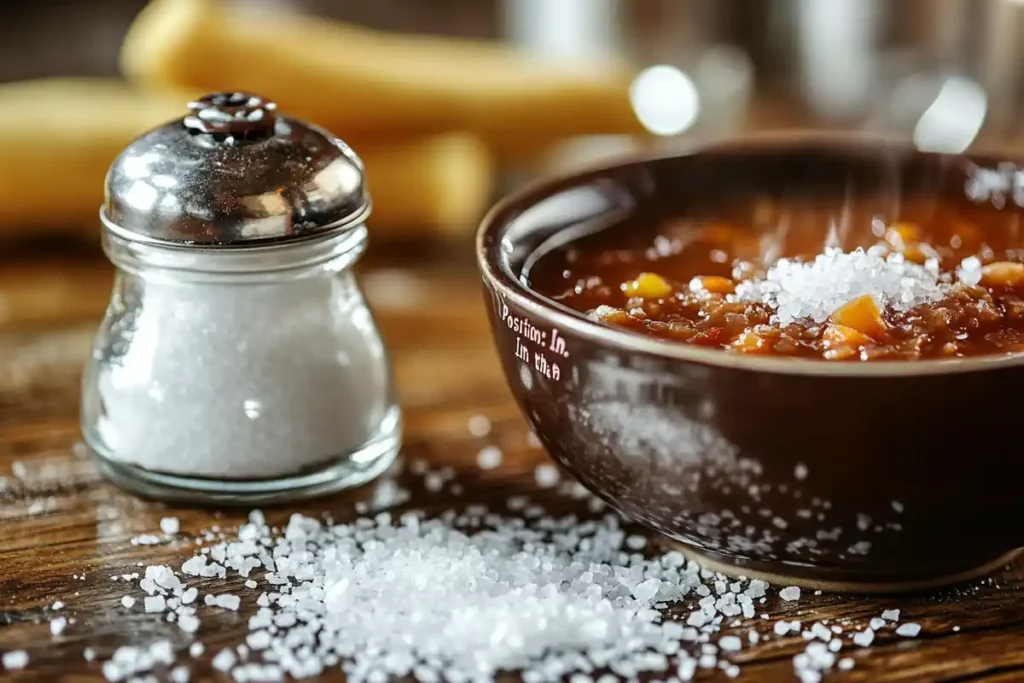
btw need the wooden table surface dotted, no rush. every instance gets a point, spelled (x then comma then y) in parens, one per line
(58, 519)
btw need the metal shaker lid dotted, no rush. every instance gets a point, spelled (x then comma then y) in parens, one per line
(234, 173)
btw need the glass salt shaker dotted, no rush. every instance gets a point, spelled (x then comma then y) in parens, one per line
(238, 360)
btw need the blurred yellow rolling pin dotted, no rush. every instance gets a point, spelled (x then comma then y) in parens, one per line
(352, 79)
(58, 137)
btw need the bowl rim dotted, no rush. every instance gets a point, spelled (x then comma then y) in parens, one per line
(512, 289)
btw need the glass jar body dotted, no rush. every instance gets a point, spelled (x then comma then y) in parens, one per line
(247, 385)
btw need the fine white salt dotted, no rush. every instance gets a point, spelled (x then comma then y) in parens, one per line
(127, 601)
(798, 290)
(252, 410)
(170, 525)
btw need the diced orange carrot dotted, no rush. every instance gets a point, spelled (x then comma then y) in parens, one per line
(647, 286)
(714, 284)
(1002, 274)
(863, 315)
(750, 342)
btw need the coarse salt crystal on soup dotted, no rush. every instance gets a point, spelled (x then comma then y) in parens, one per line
(814, 290)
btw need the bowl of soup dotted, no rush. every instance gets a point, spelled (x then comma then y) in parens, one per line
(795, 358)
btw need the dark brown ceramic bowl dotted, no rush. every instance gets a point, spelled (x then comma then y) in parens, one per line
(850, 476)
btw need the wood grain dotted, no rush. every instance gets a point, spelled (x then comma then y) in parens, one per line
(59, 519)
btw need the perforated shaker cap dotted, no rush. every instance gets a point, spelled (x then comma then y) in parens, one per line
(234, 173)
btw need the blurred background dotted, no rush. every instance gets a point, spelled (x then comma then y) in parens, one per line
(454, 102)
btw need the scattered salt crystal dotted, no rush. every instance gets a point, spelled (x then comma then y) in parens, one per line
(179, 674)
(188, 623)
(170, 525)
(357, 584)
(891, 615)
(127, 601)
(821, 632)
(730, 644)
(258, 640)
(790, 593)
(546, 476)
(433, 482)
(145, 539)
(57, 605)
(89, 654)
(636, 542)
(155, 603)
(969, 271)
(864, 638)
(908, 630)
(800, 471)
(646, 590)
(58, 625)
(162, 652)
(489, 458)
(224, 660)
(15, 660)
(196, 649)
(845, 664)
(227, 601)
(876, 623)
(956, 629)
(479, 426)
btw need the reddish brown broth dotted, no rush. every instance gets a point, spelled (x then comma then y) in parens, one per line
(645, 279)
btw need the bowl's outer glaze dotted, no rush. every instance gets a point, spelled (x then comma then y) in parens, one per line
(860, 478)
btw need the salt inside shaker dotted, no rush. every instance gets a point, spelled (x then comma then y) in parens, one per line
(238, 360)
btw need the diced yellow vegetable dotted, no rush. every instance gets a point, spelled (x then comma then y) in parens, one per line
(647, 286)
(1002, 274)
(863, 315)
